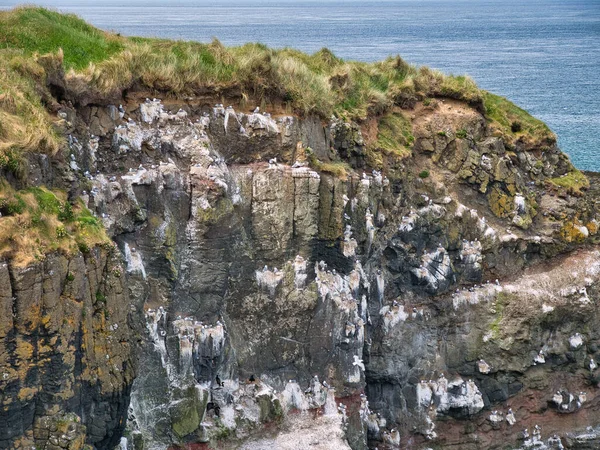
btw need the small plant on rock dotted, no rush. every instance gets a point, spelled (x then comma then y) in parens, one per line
(61, 232)
(65, 212)
(100, 297)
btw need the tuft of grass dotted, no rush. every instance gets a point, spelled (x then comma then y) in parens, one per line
(514, 123)
(339, 169)
(394, 136)
(37, 221)
(424, 174)
(25, 125)
(100, 297)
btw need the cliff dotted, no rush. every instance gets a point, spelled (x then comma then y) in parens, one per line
(374, 256)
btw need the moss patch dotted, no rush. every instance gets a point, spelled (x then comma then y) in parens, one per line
(500, 203)
(338, 169)
(500, 303)
(210, 216)
(573, 231)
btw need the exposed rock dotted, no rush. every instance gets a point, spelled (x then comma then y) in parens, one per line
(66, 352)
(288, 306)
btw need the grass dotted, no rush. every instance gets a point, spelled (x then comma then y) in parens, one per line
(25, 125)
(514, 123)
(37, 221)
(45, 54)
(339, 169)
(394, 139)
(574, 182)
(395, 134)
(39, 30)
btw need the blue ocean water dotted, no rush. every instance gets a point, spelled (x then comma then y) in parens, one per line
(542, 54)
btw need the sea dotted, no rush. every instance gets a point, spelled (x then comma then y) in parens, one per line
(543, 55)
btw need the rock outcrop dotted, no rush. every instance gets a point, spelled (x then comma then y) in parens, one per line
(66, 348)
(295, 295)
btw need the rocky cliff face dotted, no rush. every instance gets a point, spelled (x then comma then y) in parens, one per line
(66, 352)
(293, 296)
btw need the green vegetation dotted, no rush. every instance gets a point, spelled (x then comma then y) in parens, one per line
(38, 30)
(24, 123)
(36, 221)
(501, 301)
(394, 135)
(43, 52)
(461, 134)
(424, 174)
(574, 182)
(339, 169)
(515, 123)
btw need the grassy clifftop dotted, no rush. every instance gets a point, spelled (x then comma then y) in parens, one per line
(38, 30)
(102, 63)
